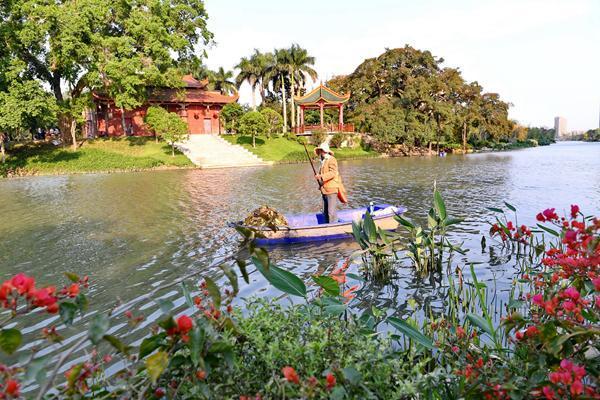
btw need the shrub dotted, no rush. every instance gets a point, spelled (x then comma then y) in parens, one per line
(318, 136)
(168, 125)
(253, 123)
(230, 116)
(337, 140)
(274, 120)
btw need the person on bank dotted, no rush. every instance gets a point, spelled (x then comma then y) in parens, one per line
(330, 181)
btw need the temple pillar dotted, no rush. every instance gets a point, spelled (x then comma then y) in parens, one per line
(301, 119)
(341, 119)
(321, 107)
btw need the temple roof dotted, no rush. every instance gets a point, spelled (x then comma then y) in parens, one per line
(191, 82)
(322, 93)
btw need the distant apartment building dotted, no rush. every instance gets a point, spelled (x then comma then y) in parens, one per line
(560, 127)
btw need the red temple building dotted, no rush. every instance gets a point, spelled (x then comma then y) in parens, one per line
(320, 99)
(193, 102)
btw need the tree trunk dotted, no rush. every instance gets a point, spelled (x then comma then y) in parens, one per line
(464, 137)
(73, 132)
(293, 110)
(253, 139)
(2, 151)
(284, 105)
(123, 121)
(252, 87)
(172, 149)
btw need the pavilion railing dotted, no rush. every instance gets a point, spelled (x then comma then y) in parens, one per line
(347, 128)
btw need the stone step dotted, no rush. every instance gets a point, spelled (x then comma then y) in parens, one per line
(212, 151)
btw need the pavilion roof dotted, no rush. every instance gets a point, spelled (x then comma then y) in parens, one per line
(322, 93)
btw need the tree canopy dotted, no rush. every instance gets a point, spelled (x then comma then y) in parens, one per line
(405, 95)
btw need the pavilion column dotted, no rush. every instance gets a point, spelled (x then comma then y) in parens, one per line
(321, 110)
(341, 120)
(301, 119)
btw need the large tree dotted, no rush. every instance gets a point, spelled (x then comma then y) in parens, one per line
(120, 47)
(300, 65)
(221, 80)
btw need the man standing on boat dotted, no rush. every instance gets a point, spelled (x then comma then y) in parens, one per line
(330, 182)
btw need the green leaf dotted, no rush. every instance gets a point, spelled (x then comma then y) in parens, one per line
(197, 339)
(510, 207)
(550, 231)
(150, 344)
(370, 228)
(411, 332)
(242, 265)
(481, 323)
(72, 277)
(187, 295)
(98, 327)
(282, 279)
(67, 312)
(214, 291)
(404, 222)
(10, 340)
(82, 303)
(352, 375)
(355, 277)
(232, 276)
(452, 221)
(440, 206)
(165, 306)
(262, 256)
(494, 209)
(156, 364)
(117, 344)
(328, 284)
(36, 369)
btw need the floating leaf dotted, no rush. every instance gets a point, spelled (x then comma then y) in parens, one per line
(328, 284)
(10, 340)
(98, 327)
(411, 332)
(156, 364)
(214, 291)
(282, 279)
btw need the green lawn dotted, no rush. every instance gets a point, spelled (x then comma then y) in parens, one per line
(281, 149)
(100, 155)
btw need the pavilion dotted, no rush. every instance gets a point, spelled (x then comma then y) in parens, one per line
(321, 98)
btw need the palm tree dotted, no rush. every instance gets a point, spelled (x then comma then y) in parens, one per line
(279, 72)
(262, 63)
(248, 73)
(221, 80)
(300, 66)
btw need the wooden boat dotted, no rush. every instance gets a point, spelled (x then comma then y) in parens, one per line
(311, 227)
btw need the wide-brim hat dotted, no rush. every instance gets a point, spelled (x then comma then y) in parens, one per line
(324, 147)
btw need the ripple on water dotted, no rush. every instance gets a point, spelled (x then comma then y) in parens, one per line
(134, 232)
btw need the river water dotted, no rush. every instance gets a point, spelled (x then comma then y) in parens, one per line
(132, 232)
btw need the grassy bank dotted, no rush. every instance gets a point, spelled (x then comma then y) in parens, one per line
(100, 155)
(283, 150)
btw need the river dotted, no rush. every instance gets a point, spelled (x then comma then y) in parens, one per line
(132, 232)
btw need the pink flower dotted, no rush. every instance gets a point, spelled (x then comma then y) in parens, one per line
(596, 283)
(538, 299)
(290, 375)
(574, 210)
(569, 305)
(548, 393)
(576, 388)
(549, 214)
(572, 293)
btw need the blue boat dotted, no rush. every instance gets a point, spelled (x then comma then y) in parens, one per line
(312, 227)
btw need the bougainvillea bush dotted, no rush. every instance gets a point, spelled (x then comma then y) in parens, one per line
(546, 345)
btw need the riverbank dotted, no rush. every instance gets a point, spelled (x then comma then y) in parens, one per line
(283, 150)
(93, 156)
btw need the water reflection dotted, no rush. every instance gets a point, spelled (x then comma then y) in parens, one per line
(134, 232)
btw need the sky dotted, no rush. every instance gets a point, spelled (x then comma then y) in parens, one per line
(542, 56)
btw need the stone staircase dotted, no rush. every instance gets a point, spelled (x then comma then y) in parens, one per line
(212, 151)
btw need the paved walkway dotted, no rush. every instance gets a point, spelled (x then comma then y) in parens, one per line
(212, 151)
